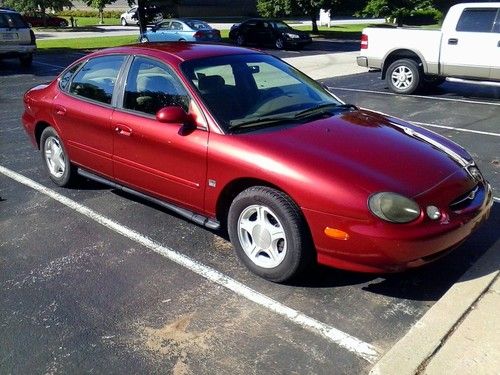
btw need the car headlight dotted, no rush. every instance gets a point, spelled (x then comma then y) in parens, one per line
(393, 207)
(292, 36)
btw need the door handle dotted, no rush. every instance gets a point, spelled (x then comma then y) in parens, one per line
(123, 130)
(60, 110)
(453, 41)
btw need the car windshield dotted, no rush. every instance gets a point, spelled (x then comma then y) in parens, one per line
(255, 89)
(198, 25)
(12, 21)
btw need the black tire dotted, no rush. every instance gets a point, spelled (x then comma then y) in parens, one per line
(26, 60)
(404, 76)
(66, 174)
(240, 40)
(279, 43)
(292, 247)
(63, 24)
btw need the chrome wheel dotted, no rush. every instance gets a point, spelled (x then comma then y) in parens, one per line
(54, 157)
(402, 77)
(240, 40)
(279, 43)
(262, 236)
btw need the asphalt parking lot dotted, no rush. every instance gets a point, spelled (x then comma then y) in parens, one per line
(99, 292)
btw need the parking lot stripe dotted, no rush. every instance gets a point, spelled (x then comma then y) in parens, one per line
(415, 96)
(362, 349)
(457, 129)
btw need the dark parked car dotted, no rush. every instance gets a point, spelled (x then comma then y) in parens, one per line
(35, 19)
(268, 32)
(229, 136)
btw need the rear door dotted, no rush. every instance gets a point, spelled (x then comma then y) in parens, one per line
(83, 112)
(154, 157)
(471, 49)
(13, 32)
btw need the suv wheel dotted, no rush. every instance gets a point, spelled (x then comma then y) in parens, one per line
(26, 60)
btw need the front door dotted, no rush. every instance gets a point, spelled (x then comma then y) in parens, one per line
(470, 50)
(154, 157)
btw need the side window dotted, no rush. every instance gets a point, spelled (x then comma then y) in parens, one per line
(477, 20)
(176, 26)
(164, 26)
(151, 86)
(96, 80)
(66, 76)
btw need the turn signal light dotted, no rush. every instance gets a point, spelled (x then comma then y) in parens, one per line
(336, 234)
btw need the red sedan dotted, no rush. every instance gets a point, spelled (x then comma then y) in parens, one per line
(227, 136)
(35, 19)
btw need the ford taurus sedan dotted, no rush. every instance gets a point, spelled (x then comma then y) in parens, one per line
(234, 138)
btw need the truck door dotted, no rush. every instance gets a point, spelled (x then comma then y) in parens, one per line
(470, 50)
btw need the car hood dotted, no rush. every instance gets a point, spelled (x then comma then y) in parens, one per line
(367, 151)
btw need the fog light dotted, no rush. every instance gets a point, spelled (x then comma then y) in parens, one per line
(433, 212)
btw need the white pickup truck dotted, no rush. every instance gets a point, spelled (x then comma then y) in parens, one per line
(467, 47)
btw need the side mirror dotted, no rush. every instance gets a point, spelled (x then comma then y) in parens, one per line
(172, 114)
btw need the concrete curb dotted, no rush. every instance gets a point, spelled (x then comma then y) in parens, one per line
(426, 337)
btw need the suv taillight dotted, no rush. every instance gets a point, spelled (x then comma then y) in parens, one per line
(364, 41)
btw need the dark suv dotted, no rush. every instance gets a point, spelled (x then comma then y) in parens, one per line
(16, 37)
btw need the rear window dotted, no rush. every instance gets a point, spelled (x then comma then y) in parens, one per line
(12, 21)
(477, 20)
(198, 25)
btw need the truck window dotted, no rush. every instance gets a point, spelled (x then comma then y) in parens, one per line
(477, 20)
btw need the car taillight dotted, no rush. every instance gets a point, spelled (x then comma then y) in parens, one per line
(33, 38)
(364, 41)
(199, 34)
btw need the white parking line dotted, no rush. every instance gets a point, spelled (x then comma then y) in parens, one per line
(51, 65)
(362, 349)
(456, 129)
(416, 96)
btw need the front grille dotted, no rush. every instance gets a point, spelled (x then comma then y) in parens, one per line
(465, 200)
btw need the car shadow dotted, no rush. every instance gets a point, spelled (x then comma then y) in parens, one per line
(464, 89)
(426, 283)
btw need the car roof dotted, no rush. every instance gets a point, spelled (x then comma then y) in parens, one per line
(178, 51)
(4, 10)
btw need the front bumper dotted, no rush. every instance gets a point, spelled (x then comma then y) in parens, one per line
(376, 246)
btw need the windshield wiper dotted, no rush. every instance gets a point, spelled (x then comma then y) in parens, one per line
(259, 121)
(324, 108)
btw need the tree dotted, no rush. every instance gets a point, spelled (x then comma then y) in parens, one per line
(310, 8)
(38, 5)
(99, 5)
(399, 9)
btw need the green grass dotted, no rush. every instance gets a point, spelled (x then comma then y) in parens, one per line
(350, 31)
(46, 45)
(94, 21)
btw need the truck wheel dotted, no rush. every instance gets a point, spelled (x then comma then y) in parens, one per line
(403, 76)
(269, 233)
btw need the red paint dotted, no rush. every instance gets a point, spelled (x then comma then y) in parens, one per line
(329, 167)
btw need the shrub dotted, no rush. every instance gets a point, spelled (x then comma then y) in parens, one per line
(426, 16)
(89, 13)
